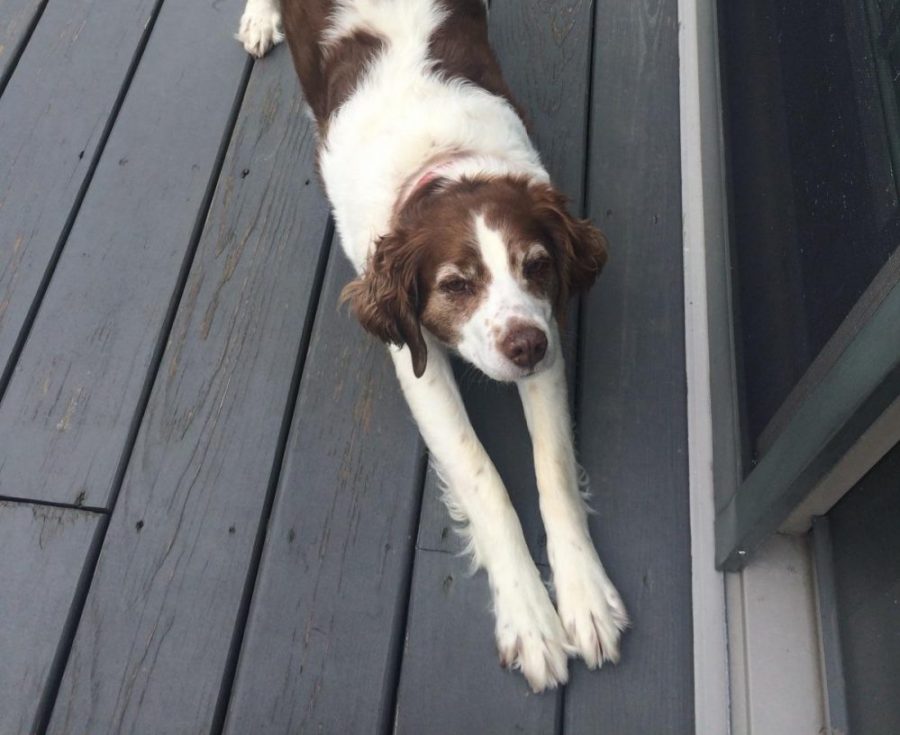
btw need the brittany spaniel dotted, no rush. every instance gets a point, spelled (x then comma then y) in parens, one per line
(461, 244)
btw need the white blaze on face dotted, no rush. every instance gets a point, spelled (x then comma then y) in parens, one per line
(506, 303)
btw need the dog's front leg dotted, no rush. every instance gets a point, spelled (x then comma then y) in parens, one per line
(528, 630)
(589, 605)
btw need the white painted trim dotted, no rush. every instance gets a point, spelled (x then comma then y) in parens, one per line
(701, 217)
(737, 655)
(775, 670)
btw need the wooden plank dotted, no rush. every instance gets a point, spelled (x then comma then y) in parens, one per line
(544, 51)
(632, 406)
(330, 600)
(450, 627)
(450, 646)
(54, 116)
(853, 392)
(43, 552)
(17, 18)
(171, 576)
(67, 411)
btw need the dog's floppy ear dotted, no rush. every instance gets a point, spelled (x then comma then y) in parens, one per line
(385, 297)
(580, 248)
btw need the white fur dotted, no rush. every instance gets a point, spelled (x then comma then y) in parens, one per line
(589, 605)
(401, 117)
(507, 301)
(529, 633)
(260, 27)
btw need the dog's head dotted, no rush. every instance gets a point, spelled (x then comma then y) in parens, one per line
(485, 265)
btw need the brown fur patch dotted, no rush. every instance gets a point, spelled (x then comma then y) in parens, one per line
(328, 76)
(461, 49)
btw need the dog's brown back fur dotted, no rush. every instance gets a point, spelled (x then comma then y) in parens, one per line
(329, 78)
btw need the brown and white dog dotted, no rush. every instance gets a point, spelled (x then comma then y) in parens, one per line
(461, 244)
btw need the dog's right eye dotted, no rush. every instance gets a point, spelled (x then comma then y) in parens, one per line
(456, 286)
(536, 268)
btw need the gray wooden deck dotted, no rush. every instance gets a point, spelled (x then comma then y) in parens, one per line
(215, 514)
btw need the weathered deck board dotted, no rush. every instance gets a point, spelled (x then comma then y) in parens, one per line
(341, 582)
(452, 634)
(16, 19)
(325, 630)
(170, 579)
(632, 407)
(544, 49)
(53, 115)
(42, 552)
(67, 411)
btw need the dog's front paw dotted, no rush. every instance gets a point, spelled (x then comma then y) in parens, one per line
(591, 610)
(530, 636)
(260, 28)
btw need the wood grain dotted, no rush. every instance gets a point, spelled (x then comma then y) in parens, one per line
(42, 553)
(632, 409)
(68, 408)
(150, 652)
(326, 626)
(450, 647)
(544, 51)
(52, 119)
(17, 17)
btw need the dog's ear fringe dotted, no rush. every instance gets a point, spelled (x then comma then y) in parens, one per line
(383, 298)
(582, 249)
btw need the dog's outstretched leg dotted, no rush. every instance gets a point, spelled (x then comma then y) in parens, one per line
(589, 605)
(529, 634)
(260, 27)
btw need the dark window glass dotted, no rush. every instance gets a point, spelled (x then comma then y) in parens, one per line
(810, 99)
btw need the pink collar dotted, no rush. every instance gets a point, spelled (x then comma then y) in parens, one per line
(428, 173)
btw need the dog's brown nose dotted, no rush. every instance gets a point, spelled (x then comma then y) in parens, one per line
(525, 346)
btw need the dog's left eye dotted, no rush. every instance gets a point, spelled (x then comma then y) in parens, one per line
(455, 286)
(537, 267)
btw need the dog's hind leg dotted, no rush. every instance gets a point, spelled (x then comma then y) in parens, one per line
(260, 27)
(589, 605)
(528, 631)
